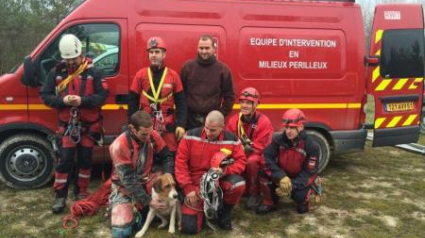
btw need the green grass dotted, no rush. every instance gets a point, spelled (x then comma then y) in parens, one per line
(375, 193)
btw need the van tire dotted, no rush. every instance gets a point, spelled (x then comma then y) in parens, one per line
(26, 161)
(325, 152)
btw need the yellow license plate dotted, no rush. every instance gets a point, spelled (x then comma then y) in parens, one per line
(399, 107)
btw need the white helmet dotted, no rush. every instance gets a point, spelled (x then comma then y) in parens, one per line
(69, 46)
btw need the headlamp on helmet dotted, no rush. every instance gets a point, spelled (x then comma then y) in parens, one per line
(156, 42)
(293, 118)
(250, 94)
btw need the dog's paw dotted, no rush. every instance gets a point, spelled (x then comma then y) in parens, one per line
(139, 234)
(162, 225)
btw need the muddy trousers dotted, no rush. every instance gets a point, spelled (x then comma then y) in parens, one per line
(233, 187)
(125, 211)
(69, 170)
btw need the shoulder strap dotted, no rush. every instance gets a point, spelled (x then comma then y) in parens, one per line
(130, 144)
(254, 125)
(84, 82)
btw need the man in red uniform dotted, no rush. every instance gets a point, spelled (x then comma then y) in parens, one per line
(207, 83)
(255, 131)
(157, 89)
(77, 91)
(291, 165)
(132, 156)
(193, 160)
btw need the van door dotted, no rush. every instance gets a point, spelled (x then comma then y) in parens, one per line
(396, 71)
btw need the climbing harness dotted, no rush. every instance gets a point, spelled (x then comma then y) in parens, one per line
(74, 125)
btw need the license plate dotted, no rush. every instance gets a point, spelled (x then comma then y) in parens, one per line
(399, 107)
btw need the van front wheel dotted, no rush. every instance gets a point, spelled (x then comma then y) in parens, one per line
(324, 149)
(26, 161)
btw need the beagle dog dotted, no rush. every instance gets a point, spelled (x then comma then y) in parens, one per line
(164, 189)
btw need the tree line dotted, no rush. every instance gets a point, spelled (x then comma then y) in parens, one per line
(24, 23)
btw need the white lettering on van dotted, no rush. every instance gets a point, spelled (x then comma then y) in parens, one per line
(294, 54)
(392, 15)
(273, 64)
(308, 43)
(308, 65)
(263, 41)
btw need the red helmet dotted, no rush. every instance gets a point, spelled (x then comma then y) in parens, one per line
(293, 117)
(250, 94)
(156, 42)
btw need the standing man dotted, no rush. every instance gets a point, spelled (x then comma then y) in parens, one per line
(132, 157)
(194, 159)
(157, 89)
(74, 88)
(207, 83)
(291, 165)
(255, 131)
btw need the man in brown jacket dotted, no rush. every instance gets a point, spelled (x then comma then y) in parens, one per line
(207, 83)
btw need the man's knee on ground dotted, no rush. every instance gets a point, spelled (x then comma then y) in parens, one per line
(189, 224)
(122, 215)
(122, 232)
(233, 182)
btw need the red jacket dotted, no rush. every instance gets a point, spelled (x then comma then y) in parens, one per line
(259, 130)
(194, 157)
(171, 91)
(89, 85)
(296, 159)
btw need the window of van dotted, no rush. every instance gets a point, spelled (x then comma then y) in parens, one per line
(402, 54)
(100, 43)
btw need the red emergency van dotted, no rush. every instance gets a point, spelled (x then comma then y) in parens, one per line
(299, 54)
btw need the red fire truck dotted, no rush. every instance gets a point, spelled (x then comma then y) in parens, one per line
(299, 54)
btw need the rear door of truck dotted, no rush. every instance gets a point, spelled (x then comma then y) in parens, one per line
(396, 71)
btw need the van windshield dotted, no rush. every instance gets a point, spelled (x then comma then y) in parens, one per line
(100, 42)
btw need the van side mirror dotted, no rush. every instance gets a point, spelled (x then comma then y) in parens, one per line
(29, 78)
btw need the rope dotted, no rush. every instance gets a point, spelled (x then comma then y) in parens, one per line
(88, 206)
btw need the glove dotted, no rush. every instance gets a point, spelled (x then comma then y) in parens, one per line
(282, 194)
(179, 133)
(285, 185)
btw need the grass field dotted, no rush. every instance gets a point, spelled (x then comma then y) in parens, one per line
(375, 193)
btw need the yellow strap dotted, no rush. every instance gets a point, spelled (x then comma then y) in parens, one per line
(62, 85)
(161, 100)
(155, 92)
(241, 131)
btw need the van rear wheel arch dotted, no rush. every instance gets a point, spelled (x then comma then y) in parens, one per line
(324, 147)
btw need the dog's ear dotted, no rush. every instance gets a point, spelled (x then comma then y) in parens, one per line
(157, 185)
(170, 178)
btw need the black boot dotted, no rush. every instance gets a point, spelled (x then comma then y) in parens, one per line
(252, 203)
(225, 218)
(59, 205)
(303, 208)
